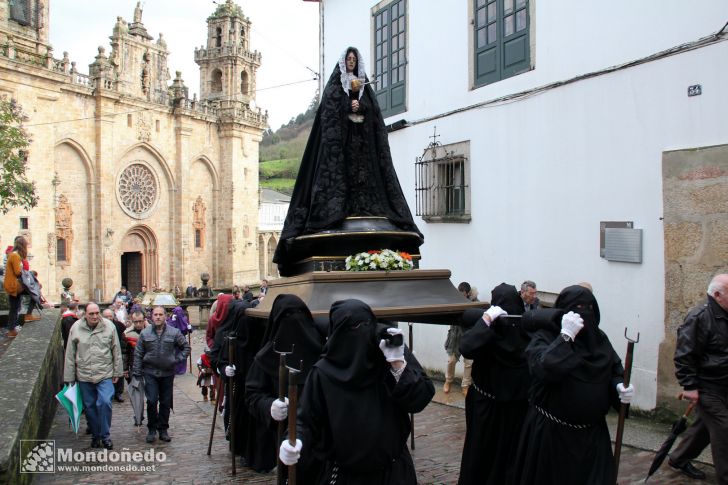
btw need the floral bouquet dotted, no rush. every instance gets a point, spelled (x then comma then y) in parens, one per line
(378, 260)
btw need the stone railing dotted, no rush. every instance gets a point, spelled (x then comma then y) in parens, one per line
(230, 50)
(32, 374)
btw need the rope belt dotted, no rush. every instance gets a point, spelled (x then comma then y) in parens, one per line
(484, 393)
(559, 421)
(334, 474)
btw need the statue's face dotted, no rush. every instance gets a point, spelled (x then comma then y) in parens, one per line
(350, 62)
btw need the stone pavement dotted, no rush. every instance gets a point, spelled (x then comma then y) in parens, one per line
(439, 433)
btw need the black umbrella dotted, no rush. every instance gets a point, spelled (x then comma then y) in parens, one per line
(677, 427)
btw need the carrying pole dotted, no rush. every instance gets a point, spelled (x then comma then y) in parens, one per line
(219, 387)
(292, 409)
(282, 378)
(231, 404)
(624, 407)
(412, 415)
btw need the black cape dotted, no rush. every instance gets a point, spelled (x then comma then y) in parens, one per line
(496, 405)
(248, 333)
(346, 170)
(353, 414)
(290, 325)
(574, 383)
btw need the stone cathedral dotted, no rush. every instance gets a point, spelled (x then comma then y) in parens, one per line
(138, 182)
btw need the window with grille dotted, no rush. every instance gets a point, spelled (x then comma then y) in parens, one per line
(442, 189)
(390, 56)
(501, 39)
(198, 238)
(61, 250)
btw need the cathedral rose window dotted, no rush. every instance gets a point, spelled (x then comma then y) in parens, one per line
(137, 190)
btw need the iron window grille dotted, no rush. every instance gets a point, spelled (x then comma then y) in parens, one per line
(442, 191)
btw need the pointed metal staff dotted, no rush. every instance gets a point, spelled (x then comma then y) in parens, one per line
(282, 378)
(292, 408)
(624, 407)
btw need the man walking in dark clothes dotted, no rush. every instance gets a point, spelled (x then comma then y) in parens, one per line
(159, 349)
(701, 362)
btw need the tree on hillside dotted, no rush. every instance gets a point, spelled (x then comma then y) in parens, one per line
(15, 189)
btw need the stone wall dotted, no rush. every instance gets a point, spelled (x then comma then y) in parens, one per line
(695, 195)
(31, 372)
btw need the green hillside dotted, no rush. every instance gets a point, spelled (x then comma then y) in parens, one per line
(281, 151)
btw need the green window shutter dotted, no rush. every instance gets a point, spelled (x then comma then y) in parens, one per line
(390, 57)
(501, 39)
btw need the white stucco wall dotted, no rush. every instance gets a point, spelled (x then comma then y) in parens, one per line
(271, 216)
(547, 169)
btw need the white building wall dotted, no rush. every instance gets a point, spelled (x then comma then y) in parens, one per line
(547, 169)
(271, 216)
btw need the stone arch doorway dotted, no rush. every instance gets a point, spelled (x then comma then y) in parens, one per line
(139, 259)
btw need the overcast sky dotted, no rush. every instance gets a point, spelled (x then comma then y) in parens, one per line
(284, 31)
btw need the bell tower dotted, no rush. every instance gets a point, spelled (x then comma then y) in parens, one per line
(24, 24)
(227, 66)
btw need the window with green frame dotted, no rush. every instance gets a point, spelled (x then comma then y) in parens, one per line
(390, 57)
(501, 39)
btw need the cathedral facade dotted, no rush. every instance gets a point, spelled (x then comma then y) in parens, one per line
(138, 184)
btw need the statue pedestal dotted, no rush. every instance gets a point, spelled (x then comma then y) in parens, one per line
(425, 296)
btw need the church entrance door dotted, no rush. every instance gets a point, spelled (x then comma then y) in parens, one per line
(131, 272)
(139, 259)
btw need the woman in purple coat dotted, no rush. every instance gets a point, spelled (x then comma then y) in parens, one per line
(179, 320)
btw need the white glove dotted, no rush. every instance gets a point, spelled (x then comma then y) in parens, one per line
(625, 393)
(493, 312)
(279, 409)
(230, 370)
(288, 454)
(571, 324)
(391, 353)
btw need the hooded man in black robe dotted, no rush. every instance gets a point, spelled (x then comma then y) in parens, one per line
(353, 414)
(346, 169)
(576, 376)
(496, 406)
(290, 327)
(248, 334)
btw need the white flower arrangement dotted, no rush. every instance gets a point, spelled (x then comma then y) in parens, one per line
(380, 260)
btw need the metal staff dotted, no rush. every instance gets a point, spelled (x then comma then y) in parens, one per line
(231, 409)
(412, 415)
(292, 408)
(282, 377)
(623, 407)
(218, 384)
(189, 340)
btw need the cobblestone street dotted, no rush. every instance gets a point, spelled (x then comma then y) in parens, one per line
(439, 433)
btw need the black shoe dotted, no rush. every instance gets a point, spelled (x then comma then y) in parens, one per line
(108, 444)
(151, 436)
(95, 443)
(164, 436)
(119, 398)
(688, 470)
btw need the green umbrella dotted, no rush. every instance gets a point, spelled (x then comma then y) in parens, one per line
(70, 399)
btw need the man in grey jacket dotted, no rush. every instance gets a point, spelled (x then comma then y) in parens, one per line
(159, 348)
(93, 359)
